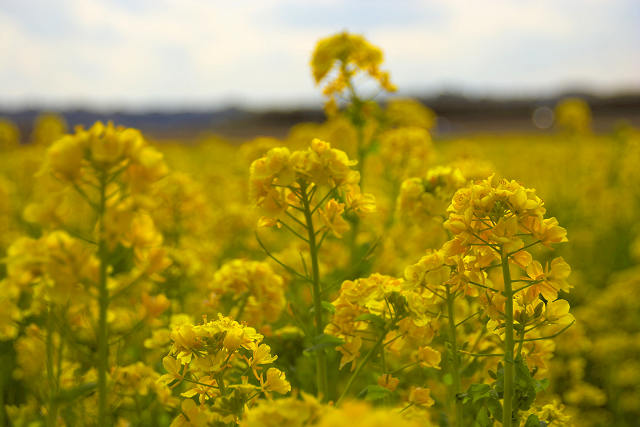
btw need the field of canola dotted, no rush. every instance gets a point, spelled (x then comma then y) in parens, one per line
(358, 272)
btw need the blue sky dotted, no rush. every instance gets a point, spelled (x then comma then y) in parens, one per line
(197, 53)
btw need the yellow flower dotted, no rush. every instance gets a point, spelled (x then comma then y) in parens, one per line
(185, 340)
(421, 396)
(206, 390)
(332, 217)
(350, 55)
(262, 355)
(48, 128)
(9, 134)
(10, 315)
(548, 231)
(174, 368)
(192, 415)
(430, 271)
(552, 279)
(388, 381)
(558, 312)
(276, 382)
(65, 157)
(573, 115)
(155, 305)
(345, 49)
(410, 112)
(361, 204)
(288, 411)
(428, 357)
(407, 151)
(106, 147)
(350, 351)
(253, 285)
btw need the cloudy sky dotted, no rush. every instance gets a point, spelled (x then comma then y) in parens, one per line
(202, 53)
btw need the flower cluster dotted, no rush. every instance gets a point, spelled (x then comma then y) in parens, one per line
(279, 179)
(106, 148)
(47, 129)
(573, 115)
(407, 151)
(395, 316)
(403, 112)
(498, 214)
(350, 55)
(422, 199)
(9, 135)
(216, 359)
(248, 290)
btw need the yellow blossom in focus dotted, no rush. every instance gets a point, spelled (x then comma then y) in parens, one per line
(421, 396)
(276, 382)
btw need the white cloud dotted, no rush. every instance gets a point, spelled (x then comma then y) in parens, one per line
(190, 51)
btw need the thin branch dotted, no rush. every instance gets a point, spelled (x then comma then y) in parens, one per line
(482, 354)
(403, 368)
(288, 227)
(467, 318)
(491, 245)
(295, 207)
(523, 248)
(304, 264)
(324, 236)
(302, 224)
(483, 286)
(84, 195)
(283, 265)
(434, 292)
(199, 383)
(549, 336)
(393, 339)
(326, 196)
(534, 282)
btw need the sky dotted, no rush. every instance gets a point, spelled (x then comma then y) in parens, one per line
(157, 54)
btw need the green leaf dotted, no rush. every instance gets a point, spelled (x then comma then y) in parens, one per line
(494, 405)
(541, 385)
(447, 379)
(534, 421)
(323, 341)
(371, 318)
(525, 386)
(376, 392)
(478, 391)
(482, 418)
(69, 395)
(328, 306)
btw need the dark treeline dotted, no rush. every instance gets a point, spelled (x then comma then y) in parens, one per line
(456, 113)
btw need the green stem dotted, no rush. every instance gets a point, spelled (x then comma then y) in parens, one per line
(521, 341)
(52, 410)
(103, 301)
(455, 359)
(509, 367)
(362, 151)
(362, 364)
(358, 122)
(395, 190)
(321, 357)
(243, 305)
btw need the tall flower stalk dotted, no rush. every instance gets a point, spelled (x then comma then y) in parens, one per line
(287, 187)
(110, 169)
(454, 356)
(490, 221)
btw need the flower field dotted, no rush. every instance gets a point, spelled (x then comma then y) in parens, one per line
(359, 271)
